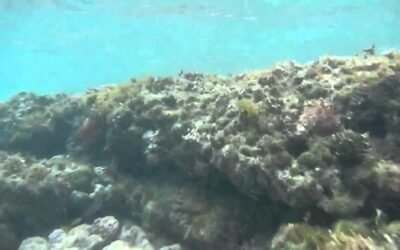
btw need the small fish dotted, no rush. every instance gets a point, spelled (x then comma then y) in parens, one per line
(187, 232)
(369, 51)
(150, 134)
(381, 218)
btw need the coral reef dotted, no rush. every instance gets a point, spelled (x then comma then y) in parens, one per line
(293, 157)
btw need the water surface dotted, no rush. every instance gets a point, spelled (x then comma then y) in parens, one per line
(52, 46)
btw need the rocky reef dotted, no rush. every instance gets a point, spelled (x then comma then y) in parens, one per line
(104, 233)
(292, 157)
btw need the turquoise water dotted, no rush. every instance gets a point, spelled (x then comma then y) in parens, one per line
(52, 46)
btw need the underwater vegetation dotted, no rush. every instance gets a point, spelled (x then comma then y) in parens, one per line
(292, 157)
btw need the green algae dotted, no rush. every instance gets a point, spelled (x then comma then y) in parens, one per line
(352, 227)
(300, 236)
(248, 107)
(349, 147)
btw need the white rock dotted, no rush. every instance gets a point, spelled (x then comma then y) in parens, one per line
(34, 243)
(107, 227)
(171, 247)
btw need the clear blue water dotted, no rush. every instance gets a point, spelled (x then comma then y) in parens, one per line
(52, 46)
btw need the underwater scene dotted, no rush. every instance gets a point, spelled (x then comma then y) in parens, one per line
(199, 125)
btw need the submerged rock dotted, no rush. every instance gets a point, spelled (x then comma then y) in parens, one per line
(104, 234)
(34, 243)
(39, 125)
(44, 193)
